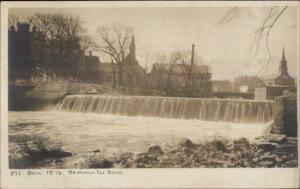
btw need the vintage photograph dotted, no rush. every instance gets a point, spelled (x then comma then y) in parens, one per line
(152, 87)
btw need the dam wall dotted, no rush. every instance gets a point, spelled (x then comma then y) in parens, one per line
(228, 110)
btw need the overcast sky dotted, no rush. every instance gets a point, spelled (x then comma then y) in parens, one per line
(225, 47)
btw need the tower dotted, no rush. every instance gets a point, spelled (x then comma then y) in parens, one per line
(132, 48)
(193, 54)
(283, 65)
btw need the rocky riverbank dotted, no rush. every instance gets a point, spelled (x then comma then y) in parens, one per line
(268, 151)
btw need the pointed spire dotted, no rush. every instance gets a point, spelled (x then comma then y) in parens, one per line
(132, 44)
(283, 55)
(132, 47)
(283, 64)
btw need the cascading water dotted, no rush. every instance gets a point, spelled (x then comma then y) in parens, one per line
(242, 111)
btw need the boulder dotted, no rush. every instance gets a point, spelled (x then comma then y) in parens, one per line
(220, 146)
(186, 143)
(291, 163)
(100, 164)
(277, 138)
(242, 141)
(266, 146)
(156, 149)
(255, 160)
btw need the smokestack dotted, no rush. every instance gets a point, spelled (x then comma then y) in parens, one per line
(192, 59)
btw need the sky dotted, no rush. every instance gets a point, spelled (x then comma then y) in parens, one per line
(224, 47)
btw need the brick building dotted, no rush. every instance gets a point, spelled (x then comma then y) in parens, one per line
(192, 80)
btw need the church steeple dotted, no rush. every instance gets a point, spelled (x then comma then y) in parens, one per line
(283, 65)
(283, 55)
(132, 47)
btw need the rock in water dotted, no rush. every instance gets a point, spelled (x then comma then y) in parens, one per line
(186, 143)
(276, 138)
(291, 163)
(156, 149)
(220, 146)
(266, 146)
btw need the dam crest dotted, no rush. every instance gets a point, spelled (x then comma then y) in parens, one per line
(228, 110)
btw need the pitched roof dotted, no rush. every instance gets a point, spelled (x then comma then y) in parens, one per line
(91, 63)
(92, 60)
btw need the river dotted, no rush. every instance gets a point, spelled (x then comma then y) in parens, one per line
(85, 132)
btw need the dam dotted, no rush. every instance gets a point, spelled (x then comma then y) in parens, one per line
(85, 123)
(208, 109)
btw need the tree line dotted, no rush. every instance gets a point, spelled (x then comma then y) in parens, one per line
(62, 39)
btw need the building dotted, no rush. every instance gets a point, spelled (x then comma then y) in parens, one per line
(278, 85)
(245, 83)
(25, 49)
(270, 92)
(29, 55)
(131, 72)
(222, 86)
(193, 80)
(88, 68)
(282, 78)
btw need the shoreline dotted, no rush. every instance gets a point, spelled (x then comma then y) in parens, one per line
(267, 151)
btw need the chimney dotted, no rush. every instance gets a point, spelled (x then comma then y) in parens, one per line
(192, 59)
(90, 53)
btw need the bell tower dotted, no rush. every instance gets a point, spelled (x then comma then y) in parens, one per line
(132, 48)
(283, 69)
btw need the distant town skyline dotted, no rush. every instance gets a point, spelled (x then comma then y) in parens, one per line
(224, 47)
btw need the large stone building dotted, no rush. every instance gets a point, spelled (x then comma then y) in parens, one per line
(24, 50)
(30, 54)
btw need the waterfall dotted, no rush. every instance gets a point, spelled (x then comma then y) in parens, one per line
(228, 110)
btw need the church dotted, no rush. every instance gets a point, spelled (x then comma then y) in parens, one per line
(283, 78)
(278, 85)
(132, 72)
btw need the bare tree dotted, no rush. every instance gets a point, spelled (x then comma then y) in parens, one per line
(114, 69)
(114, 40)
(59, 37)
(147, 58)
(169, 62)
(86, 42)
(63, 29)
(264, 30)
(12, 20)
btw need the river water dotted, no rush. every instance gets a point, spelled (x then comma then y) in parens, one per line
(86, 132)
